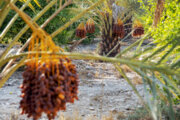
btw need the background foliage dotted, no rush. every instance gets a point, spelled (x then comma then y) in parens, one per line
(63, 17)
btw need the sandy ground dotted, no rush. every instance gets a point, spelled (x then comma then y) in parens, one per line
(101, 92)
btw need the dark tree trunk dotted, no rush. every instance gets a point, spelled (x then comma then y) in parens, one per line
(109, 39)
(128, 27)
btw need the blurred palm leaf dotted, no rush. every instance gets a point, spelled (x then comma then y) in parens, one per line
(4, 8)
(30, 5)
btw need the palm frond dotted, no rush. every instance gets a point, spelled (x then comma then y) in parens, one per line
(30, 5)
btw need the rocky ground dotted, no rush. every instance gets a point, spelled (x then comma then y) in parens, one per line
(102, 92)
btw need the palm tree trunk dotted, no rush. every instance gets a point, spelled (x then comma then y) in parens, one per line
(109, 39)
(158, 12)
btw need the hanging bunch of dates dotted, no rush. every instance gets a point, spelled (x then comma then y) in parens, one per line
(90, 27)
(81, 30)
(50, 81)
(138, 29)
(118, 28)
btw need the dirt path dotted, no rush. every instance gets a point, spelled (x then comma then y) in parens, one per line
(101, 92)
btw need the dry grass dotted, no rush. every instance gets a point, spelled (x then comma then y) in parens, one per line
(146, 118)
(137, 80)
(126, 68)
(121, 116)
(14, 116)
(76, 116)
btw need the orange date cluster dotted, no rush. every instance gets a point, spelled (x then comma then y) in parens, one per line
(90, 27)
(48, 88)
(138, 31)
(50, 80)
(81, 31)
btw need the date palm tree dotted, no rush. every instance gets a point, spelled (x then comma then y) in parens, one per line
(158, 66)
(109, 15)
